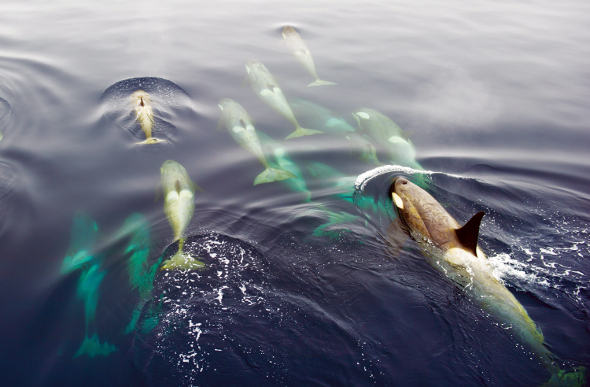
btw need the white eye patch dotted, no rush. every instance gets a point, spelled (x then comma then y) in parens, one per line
(363, 115)
(398, 201)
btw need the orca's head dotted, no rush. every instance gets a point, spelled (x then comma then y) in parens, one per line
(400, 192)
(406, 198)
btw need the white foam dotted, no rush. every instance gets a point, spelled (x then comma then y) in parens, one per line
(363, 178)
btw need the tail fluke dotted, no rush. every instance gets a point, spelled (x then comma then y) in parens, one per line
(319, 82)
(300, 132)
(151, 140)
(182, 260)
(273, 174)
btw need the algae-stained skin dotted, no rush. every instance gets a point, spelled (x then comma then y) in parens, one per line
(141, 102)
(179, 194)
(298, 48)
(179, 207)
(162, 99)
(240, 126)
(450, 249)
(267, 89)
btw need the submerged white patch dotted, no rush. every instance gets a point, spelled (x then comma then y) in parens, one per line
(279, 152)
(186, 194)
(171, 196)
(237, 129)
(398, 201)
(363, 115)
(249, 127)
(266, 92)
(221, 107)
(247, 69)
(396, 140)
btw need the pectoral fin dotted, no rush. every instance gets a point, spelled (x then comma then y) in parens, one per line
(196, 187)
(468, 234)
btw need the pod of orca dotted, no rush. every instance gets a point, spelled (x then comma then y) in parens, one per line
(450, 248)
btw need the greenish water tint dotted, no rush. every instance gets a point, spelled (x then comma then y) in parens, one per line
(83, 257)
(141, 272)
(277, 152)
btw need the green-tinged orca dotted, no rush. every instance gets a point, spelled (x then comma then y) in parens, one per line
(452, 250)
(240, 126)
(144, 114)
(297, 46)
(388, 135)
(268, 90)
(179, 206)
(277, 152)
(320, 117)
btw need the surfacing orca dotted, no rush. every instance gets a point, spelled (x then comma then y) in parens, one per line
(452, 249)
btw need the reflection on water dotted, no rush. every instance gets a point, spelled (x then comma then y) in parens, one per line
(294, 281)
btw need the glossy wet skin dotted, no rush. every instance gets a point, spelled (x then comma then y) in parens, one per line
(423, 214)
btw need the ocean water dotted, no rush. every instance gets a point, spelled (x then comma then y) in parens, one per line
(301, 284)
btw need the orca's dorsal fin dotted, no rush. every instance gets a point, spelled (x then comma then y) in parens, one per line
(468, 234)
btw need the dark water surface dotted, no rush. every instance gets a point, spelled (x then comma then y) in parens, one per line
(494, 96)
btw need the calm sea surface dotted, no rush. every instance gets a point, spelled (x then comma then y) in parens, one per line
(301, 285)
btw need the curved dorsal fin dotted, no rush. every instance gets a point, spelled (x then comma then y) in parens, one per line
(468, 234)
